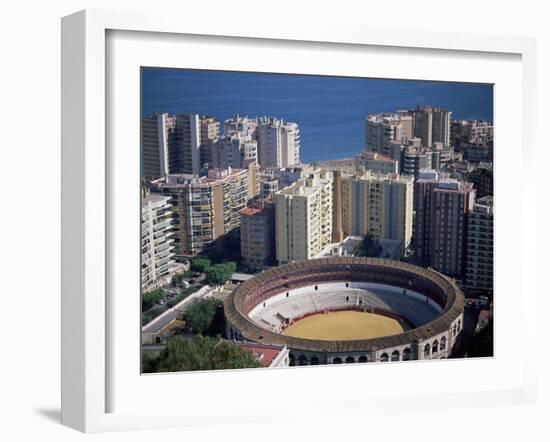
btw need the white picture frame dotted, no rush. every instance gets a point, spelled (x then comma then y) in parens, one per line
(86, 317)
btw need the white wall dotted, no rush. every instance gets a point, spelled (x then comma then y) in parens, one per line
(30, 146)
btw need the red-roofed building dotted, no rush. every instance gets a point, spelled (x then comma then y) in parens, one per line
(268, 355)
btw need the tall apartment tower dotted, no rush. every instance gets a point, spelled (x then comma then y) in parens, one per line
(157, 242)
(381, 205)
(278, 142)
(176, 144)
(337, 230)
(188, 136)
(442, 206)
(432, 125)
(383, 129)
(303, 217)
(479, 255)
(158, 145)
(205, 208)
(209, 132)
(258, 235)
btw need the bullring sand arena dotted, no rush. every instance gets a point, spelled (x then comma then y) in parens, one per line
(345, 325)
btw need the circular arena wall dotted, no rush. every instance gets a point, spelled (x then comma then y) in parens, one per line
(430, 338)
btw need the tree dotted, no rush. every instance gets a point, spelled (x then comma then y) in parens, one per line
(202, 353)
(200, 265)
(200, 314)
(149, 362)
(219, 274)
(369, 247)
(151, 298)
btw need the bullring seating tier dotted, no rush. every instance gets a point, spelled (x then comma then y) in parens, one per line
(278, 312)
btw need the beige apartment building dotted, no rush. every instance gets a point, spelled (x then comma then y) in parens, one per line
(209, 133)
(205, 208)
(157, 242)
(379, 204)
(378, 163)
(382, 129)
(303, 217)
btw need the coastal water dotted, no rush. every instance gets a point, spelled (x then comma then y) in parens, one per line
(330, 111)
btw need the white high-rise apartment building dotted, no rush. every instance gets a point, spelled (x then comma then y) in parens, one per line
(383, 129)
(234, 150)
(379, 204)
(157, 242)
(278, 142)
(242, 125)
(303, 217)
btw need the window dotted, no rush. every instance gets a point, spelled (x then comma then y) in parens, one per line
(427, 350)
(395, 355)
(384, 357)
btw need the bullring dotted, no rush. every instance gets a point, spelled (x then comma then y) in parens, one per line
(427, 306)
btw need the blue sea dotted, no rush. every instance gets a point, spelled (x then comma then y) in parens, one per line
(330, 111)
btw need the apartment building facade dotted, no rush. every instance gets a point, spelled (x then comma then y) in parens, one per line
(442, 207)
(258, 235)
(432, 125)
(383, 129)
(233, 150)
(158, 145)
(303, 217)
(157, 241)
(479, 259)
(205, 208)
(381, 205)
(278, 142)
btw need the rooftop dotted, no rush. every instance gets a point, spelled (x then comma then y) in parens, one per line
(265, 354)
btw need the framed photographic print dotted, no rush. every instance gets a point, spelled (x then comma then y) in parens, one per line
(306, 214)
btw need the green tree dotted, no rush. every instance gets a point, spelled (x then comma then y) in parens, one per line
(369, 247)
(201, 313)
(203, 353)
(151, 298)
(200, 265)
(149, 362)
(219, 274)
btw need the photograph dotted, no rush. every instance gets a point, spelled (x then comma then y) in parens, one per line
(297, 220)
